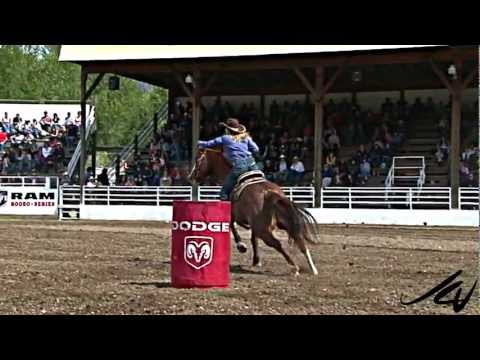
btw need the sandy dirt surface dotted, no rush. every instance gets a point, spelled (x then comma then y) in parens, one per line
(51, 267)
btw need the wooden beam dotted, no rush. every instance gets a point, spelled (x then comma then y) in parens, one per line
(94, 85)
(332, 81)
(470, 77)
(305, 82)
(209, 84)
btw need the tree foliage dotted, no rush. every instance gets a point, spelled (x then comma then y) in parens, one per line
(33, 72)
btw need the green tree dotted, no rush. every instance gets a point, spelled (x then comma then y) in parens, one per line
(33, 72)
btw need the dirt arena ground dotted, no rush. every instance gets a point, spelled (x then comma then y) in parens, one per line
(51, 267)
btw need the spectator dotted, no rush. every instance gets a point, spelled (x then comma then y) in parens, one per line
(282, 173)
(103, 178)
(334, 141)
(297, 172)
(327, 176)
(46, 122)
(331, 159)
(337, 178)
(365, 171)
(439, 155)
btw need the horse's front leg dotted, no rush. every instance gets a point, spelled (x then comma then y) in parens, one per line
(241, 246)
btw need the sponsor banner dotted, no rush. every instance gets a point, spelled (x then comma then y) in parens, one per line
(28, 201)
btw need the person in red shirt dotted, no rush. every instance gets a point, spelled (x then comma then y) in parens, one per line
(46, 122)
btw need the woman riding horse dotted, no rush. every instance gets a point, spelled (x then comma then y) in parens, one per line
(262, 207)
(238, 148)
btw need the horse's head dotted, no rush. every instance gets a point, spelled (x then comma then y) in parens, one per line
(209, 162)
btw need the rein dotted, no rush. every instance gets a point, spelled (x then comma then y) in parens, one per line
(200, 159)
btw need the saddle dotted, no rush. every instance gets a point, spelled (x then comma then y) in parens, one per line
(247, 179)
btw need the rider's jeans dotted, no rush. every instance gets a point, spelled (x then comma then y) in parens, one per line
(239, 167)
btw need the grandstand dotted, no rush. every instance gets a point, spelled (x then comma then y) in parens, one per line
(30, 127)
(400, 112)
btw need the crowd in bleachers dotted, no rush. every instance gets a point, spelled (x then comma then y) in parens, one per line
(286, 154)
(31, 146)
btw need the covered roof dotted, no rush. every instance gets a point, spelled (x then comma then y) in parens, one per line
(269, 69)
(81, 53)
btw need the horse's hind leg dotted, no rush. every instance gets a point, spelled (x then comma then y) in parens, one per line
(305, 251)
(256, 255)
(271, 241)
(241, 247)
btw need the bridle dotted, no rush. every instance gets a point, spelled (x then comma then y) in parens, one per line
(199, 161)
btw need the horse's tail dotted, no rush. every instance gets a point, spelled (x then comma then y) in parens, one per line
(297, 222)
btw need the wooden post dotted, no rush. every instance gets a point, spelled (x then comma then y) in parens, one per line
(455, 87)
(262, 106)
(117, 171)
(155, 124)
(455, 134)
(455, 148)
(319, 89)
(196, 113)
(83, 128)
(136, 145)
(94, 154)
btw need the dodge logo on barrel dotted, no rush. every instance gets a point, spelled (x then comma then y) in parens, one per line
(198, 251)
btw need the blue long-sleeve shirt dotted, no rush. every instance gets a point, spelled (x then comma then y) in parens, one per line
(233, 150)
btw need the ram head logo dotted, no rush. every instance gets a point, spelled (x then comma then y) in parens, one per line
(198, 251)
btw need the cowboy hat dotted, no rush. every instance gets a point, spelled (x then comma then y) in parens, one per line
(234, 126)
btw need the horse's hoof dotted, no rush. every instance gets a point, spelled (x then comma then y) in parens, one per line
(242, 248)
(257, 265)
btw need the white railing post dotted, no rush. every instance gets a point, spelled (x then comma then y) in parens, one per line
(350, 198)
(410, 200)
(450, 198)
(321, 198)
(108, 195)
(158, 196)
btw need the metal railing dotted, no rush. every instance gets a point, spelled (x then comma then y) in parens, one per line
(90, 127)
(384, 198)
(468, 198)
(396, 170)
(50, 182)
(298, 195)
(144, 135)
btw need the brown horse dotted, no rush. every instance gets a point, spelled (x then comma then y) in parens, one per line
(261, 208)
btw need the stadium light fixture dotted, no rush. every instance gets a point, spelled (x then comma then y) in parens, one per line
(357, 76)
(114, 83)
(452, 71)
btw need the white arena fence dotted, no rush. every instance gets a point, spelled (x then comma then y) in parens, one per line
(387, 198)
(304, 196)
(43, 196)
(469, 198)
(339, 198)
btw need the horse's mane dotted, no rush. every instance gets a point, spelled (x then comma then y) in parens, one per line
(218, 152)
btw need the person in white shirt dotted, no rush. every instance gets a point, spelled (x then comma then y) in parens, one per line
(297, 172)
(282, 173)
